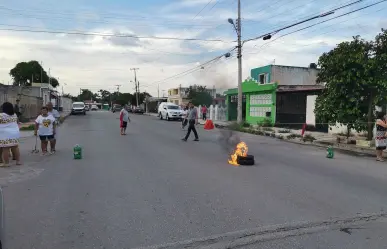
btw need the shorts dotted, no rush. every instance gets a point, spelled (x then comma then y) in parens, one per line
(45, 138)
(124, 124)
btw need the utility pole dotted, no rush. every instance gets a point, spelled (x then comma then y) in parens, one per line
(239, 56)
(136, 83)
(118, 89)
(158, 92)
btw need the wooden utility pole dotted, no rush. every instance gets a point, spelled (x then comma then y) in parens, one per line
(136, 83)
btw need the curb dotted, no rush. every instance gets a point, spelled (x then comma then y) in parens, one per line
(357, 151)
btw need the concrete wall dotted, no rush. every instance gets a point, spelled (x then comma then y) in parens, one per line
(66, 104)
(287, 75)
(310, 106)
(29, 105)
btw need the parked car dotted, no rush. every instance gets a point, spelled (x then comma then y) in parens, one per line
(94, 107)
(138, 110)
(87, 108)
(78, 108)
(116, 108)
(170, 111)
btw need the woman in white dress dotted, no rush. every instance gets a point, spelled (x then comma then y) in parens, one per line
(9, 134)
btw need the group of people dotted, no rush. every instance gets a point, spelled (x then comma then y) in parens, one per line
(45, 128)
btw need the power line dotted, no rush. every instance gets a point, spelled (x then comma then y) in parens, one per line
(203, 8)
(307, 20)
(315, 24)
(110, 35)
(191, 70)
(67, 16)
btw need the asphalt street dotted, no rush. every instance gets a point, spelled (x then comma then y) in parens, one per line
(149, 188)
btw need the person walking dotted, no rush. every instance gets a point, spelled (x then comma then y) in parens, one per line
(57, 117)
(124, 119)
(184, 121)
(204, 112)
(192, 121)
(16, 109)
(9, 135)
(45, 126)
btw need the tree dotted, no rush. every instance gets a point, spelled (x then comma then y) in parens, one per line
(353, 85)
(123, 98)
(105, 96)
(24, 73)
(199, 95)
(54, 82)
(86, 95)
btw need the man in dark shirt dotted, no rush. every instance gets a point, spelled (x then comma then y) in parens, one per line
(192, 121)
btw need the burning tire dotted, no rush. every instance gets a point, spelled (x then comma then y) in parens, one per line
(246, 160)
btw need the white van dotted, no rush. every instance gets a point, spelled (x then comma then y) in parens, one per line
(78, 108)
(170, 111)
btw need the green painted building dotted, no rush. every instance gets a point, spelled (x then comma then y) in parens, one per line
(275, 92)
(258, 101)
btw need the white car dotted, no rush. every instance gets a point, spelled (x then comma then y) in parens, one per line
(78, 108)
(94, 107)
(170, 111)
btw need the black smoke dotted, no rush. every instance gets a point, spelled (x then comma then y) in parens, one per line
(228, 140)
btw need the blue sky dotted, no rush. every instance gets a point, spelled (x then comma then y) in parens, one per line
(97, 62)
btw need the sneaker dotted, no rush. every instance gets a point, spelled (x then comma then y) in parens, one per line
(196, 139)
(183, 139)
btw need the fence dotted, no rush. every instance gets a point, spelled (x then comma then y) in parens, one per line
(215, 112)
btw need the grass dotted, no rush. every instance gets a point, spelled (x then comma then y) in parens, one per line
(268, 131)
(31, 127)
(308, 138)
(293, 136)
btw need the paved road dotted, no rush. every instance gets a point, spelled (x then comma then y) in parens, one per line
(150, 188)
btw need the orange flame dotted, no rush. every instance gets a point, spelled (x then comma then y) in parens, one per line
(240, 150)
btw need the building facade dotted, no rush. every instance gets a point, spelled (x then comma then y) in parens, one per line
(275, 94)
(178, 95)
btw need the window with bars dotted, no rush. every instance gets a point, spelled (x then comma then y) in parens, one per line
(261, 99)
(258, 111)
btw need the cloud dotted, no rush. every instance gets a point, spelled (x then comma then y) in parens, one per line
(101, 62)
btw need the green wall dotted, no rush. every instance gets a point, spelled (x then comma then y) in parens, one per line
(254, 73)
(256, 120)
(251, 87)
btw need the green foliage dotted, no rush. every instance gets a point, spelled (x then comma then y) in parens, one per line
(107, 97)
(199, 95)
(86, 95)
(354, 83)
(28, 128)
(265, 123)
(104, 96)
(24, 73)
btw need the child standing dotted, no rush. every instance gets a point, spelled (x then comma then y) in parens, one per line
(45, 126)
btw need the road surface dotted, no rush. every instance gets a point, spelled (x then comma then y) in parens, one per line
(149, 188)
